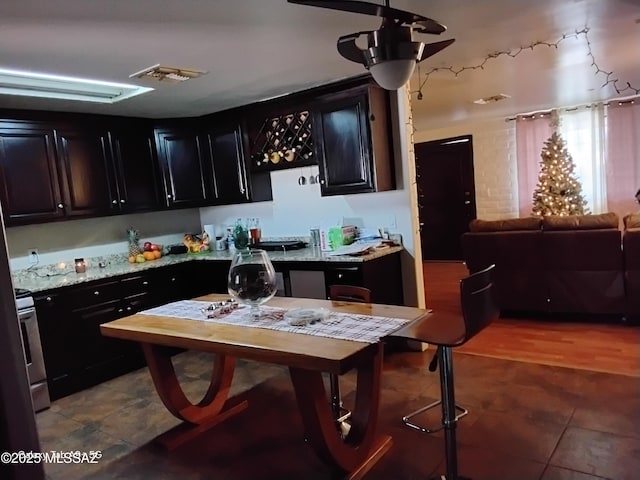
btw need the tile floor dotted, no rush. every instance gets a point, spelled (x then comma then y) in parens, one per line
(527, 421)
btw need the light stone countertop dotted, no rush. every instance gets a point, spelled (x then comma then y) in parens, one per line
(51, 277)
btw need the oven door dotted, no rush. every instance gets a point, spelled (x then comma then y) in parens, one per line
(32, 346)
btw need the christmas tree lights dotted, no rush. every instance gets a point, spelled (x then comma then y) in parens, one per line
(558, 191)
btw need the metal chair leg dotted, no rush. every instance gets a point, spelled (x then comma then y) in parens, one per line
(449, 412)
(428, 429)
(449, 419)
(340, 413)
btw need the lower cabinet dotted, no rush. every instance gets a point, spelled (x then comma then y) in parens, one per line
(76, 354)
(383, 276)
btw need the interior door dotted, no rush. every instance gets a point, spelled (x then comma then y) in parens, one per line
(446, 195)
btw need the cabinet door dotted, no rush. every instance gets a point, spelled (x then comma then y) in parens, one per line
(183, 168)
(136, 172)
(341, 135)
(85, 168)
(352, 138)
(103, 357)
(61, 344)
(29, 190)
(227, 159)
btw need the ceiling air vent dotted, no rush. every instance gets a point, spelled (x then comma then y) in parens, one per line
(161, 73)
(492, 99)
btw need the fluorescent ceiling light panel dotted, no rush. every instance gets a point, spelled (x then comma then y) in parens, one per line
(15, 82)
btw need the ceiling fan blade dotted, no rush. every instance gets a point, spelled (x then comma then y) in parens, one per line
(349, 50)
(429, 26)
(367, 8)
(433, 48)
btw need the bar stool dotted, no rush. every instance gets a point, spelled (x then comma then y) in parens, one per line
(446, 331)
(343, 293)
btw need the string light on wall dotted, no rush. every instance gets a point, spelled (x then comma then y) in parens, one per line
(609, 79)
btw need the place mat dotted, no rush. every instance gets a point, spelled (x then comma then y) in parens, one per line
(344, 326)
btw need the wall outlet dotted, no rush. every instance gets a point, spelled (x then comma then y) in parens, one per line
(33, 256)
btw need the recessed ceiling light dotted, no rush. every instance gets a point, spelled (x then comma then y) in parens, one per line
(30, 84)
(167, 74)
(492, 99)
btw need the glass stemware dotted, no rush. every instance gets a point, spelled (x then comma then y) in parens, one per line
(252, 279)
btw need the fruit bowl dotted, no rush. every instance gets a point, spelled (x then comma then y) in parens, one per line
(152, 251)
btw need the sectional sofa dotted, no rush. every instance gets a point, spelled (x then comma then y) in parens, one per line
(560, 265)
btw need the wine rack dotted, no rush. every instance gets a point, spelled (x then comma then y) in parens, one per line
(283, 141)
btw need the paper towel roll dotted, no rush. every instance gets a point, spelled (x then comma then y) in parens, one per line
(211, 231)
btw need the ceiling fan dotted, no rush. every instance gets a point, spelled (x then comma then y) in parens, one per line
(392, 53)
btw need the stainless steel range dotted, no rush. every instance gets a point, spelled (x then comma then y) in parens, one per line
(32, 349)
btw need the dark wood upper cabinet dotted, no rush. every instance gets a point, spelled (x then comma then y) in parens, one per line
(30, 190)
(62, 169)
(185, 172)
(136, 176)
(351, 135)
(85, 170)
(225, 149)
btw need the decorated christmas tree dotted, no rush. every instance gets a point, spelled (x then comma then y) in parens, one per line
(558, 191)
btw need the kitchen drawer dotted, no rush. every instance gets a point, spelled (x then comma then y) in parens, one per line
(343, 276)
(85, 296)
(140, 284)
(138, 302)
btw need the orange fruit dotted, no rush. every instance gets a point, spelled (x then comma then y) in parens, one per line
(156, 253)
(132, 259)
(149, 256)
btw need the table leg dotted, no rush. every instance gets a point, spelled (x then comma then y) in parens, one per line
(197, 417)
(362, 447)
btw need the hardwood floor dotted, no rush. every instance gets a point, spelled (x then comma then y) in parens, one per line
(586, 345)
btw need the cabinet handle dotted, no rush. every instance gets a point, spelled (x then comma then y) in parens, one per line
(97, 292)
(49, 299)
(467, 202)
(169, 197)
(122, 200)
(339, 275)
(120, 310)
(321, 182)
(114, 202)
(60, 205)
(145, 283)
(128, 309)
(173, 279)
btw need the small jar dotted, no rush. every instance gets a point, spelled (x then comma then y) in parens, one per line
(81, 266)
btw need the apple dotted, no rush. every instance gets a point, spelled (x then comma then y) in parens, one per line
(155, 247)
(140, 259)
(147, 246)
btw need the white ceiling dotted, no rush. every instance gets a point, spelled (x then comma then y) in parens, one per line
(256, 49)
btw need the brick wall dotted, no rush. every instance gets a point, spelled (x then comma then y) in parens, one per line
(494, 163)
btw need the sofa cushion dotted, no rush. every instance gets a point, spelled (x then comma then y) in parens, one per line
(506, 225)
(580, 222)
(631, 221)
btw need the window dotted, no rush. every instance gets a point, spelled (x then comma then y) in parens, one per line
(604, 145)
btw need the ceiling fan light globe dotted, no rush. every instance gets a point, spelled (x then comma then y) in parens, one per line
(392, 74)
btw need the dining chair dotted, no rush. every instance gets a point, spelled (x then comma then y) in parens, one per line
(446, 331)
(344, 293)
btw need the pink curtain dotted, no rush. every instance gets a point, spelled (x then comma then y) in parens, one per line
(623, 157)
(531, 133)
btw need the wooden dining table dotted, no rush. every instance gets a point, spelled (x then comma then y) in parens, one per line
(306, 356)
